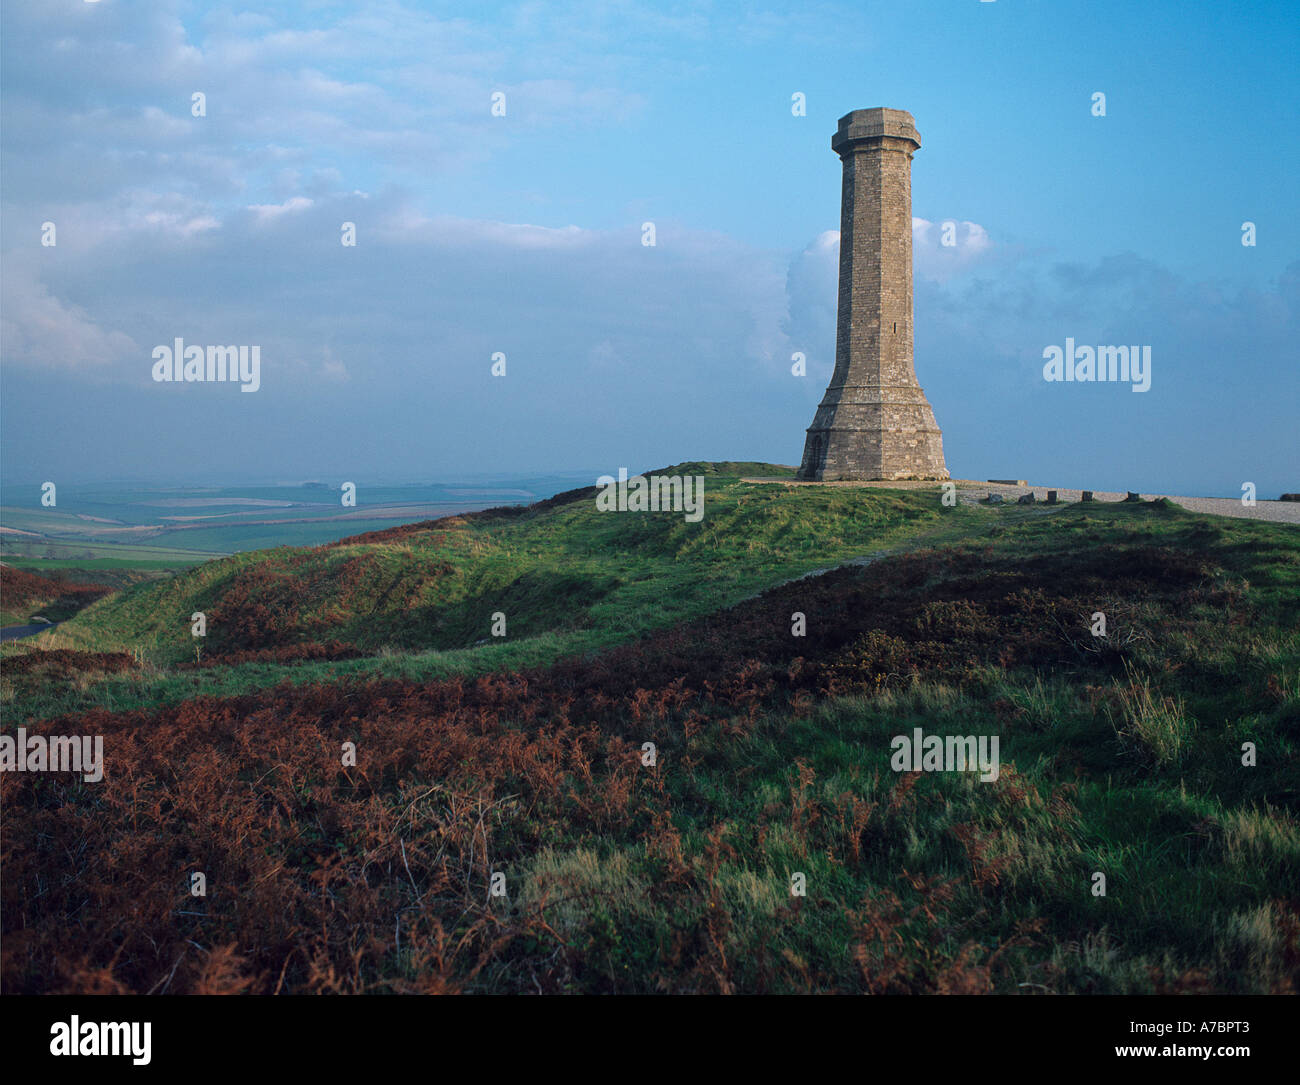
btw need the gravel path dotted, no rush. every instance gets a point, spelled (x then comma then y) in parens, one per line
(971, 492)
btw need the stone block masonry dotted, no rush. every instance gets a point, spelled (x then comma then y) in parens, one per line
(874, 421)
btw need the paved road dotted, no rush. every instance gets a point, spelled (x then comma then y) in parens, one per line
(14, 632)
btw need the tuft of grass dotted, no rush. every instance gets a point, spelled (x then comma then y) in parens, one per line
(1152, 726)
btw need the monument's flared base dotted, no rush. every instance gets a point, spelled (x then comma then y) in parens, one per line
(888, 443)
(874, 478)
(833, 476)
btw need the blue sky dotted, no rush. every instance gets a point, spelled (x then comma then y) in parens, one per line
(522, 234)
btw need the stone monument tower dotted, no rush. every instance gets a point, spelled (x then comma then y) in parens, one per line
(874, 421)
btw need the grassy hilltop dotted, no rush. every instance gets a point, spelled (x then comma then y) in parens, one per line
(568, 578)
(524, 756)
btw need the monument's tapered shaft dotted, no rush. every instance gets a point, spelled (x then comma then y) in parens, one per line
(874, 421)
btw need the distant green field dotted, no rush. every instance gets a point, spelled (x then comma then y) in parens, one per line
(180, 560)
(223, 520)
(54, 554)
(237, 537)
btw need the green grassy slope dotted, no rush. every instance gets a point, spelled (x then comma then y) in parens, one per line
(416, 602)
(561, 569)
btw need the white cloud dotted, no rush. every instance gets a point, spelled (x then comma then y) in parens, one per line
(406, 90)
(268, 211)
(405, 226)
(39, 329)
(948, 247)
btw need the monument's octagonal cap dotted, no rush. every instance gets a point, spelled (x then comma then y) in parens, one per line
(872, 125)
